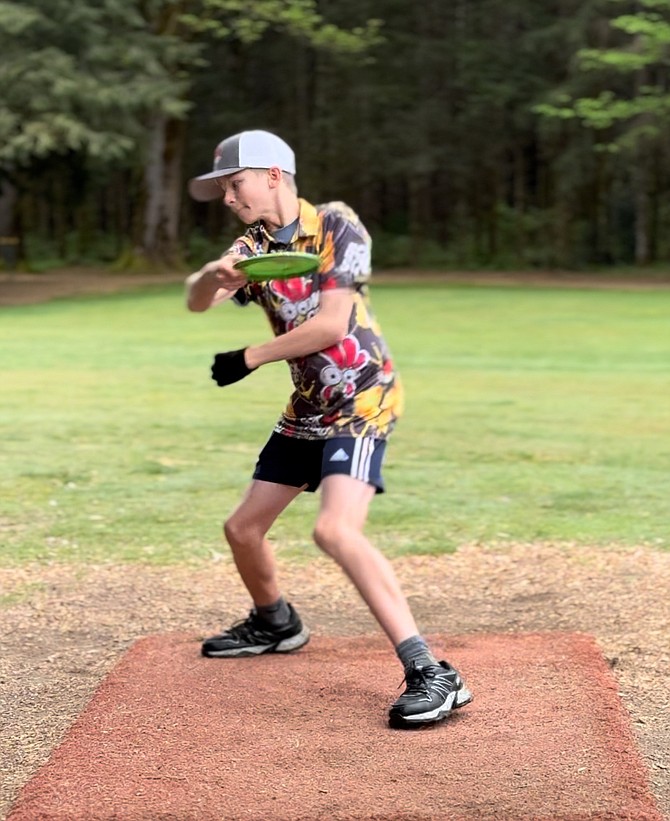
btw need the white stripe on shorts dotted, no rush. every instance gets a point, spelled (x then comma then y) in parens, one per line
(368, 463)
(362, 459)
(356, 457)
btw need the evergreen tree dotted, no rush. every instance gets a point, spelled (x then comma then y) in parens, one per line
(78, 81)
(625, 103)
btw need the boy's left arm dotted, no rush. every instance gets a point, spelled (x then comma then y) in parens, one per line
(327, 327)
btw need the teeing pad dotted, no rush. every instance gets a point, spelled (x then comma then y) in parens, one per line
(170, 735)
(278, 265)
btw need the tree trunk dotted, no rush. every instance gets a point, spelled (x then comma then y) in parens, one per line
(640, 171)
(418, 194)
(10, 249)
(8, 197)
(642, 211)
(519, 199)
(162, 180)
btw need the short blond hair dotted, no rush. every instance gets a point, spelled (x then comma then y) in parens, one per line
(289, 179)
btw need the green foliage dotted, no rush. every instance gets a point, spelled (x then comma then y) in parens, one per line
(87, 78)
(81, 78)
(300, 19)
(641, 107)
(466, 134)
(532, 414)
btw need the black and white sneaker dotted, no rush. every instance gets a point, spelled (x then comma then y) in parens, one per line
(432, 692)
(253, 636)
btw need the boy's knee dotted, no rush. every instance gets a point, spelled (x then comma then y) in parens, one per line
(330, 535)
(229, 529)
(237, 531)
(320, 534)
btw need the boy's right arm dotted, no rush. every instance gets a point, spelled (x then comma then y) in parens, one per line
(214, 283)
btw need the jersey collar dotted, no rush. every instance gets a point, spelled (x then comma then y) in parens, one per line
(308, 223)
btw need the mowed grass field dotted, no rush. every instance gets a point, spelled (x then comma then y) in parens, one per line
(532, 414)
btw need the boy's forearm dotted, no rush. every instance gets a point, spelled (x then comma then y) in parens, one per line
(314, 335)
(202, 291)
(328, 327)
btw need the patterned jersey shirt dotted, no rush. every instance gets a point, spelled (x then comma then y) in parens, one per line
(351, 388)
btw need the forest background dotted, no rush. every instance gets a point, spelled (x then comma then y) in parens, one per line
(467, 133)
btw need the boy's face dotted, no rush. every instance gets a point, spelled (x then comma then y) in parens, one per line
(249, 193)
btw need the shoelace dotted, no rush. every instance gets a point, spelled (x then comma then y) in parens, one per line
(249, 629)
(243, 629)
(416, 680)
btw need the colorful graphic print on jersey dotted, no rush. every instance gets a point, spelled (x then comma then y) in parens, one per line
(349, 389)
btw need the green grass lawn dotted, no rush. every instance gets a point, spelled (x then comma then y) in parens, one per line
(532, 414)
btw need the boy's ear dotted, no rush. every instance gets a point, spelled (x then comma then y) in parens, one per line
(274, 176)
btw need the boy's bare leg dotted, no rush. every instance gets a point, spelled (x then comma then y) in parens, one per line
(433, 689)
(246, 530)
(339, 533)
(273, 626)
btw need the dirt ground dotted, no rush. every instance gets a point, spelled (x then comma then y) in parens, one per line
(68, 625)
(173, 737)
(23, 288)
(29, 289)
(62, 628)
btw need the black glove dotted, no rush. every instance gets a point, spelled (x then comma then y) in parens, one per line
(230, 367)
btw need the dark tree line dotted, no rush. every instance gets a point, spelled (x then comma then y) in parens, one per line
(466, 133)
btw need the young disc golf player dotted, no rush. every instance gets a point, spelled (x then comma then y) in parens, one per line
(332, 434)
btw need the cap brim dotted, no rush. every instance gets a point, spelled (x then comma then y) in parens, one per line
(204, 187)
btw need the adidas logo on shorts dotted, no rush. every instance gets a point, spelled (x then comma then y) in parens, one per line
(339, 456)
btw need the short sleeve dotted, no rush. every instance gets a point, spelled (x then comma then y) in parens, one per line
(241, 246)
(346, 254)
(241, 297)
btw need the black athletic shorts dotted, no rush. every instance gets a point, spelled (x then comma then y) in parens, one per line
(297, 462)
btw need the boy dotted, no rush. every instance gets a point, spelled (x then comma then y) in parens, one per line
(332, 434)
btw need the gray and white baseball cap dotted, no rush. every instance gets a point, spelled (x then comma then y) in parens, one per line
(249, 149)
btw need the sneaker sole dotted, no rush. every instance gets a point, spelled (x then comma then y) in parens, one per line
(289, 645)
(460, 699)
